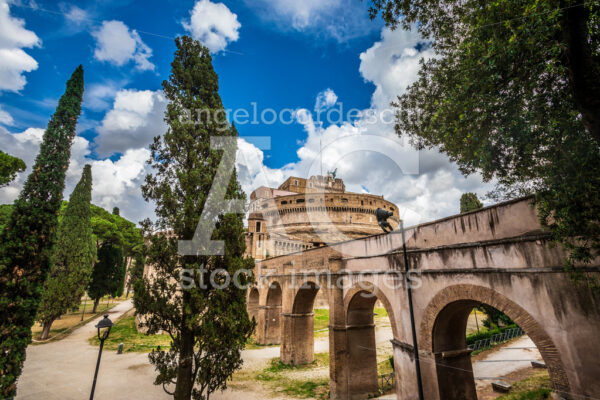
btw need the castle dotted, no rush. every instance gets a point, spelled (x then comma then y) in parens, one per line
(306, 213)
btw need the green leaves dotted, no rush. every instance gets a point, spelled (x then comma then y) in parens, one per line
(26, 243)
(513, 94)
(208, 326)
(9, 167)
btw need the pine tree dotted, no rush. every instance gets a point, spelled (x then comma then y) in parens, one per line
(72, 259)
(469, 202)
(26, 242)
(209, 326)
(106, 275)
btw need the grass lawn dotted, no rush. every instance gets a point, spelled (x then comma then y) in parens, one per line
(536, 387)
(321, 324)
(73, 318)
(296, 381)
(124, 331)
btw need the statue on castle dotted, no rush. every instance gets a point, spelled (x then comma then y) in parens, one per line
(382, 216)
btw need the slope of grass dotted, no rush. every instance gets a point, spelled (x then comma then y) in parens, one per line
(536, 387)
(124, 331)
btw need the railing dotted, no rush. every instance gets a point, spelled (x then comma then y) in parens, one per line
(387, 382)
(496, 339)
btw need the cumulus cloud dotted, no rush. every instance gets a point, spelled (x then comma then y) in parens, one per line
(213, 24)
(134, 120)
(118, 45)
(367, 153)
(115, 183)
(340, 20)
(99, 96)
(14, 62)
(325, 100)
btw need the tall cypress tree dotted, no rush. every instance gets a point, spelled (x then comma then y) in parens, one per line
(106, 275)
(208, 324)
(27, 241)
(73, 256)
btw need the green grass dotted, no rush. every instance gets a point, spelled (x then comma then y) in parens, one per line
(276, 375)
(321, 319)
(537, 387)
(124, 331)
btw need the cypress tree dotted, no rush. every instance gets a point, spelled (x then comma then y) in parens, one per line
(73, 257)
(208, 324)
(27, 241)
(106, 275)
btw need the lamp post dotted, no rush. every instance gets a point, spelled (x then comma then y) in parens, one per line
(105, 324)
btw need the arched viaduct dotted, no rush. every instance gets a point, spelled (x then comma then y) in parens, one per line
(498, 255)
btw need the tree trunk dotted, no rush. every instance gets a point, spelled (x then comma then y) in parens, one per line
(584, 68)
(185, 384)
(46, 329)
(96, 301)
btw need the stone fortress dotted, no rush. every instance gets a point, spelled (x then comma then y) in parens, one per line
(302, 214)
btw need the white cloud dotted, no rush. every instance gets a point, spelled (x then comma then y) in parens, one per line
(135, 119)
(13, 60)
(325, 99)
(213, 24)
(118, 45)
(114, 183)
(76, 15)
(368, 154)
(98, 96)
(5, 118)
(341, 20)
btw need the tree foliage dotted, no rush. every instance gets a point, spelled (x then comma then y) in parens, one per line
(514, 94)
(73, 256)
(9, 168)
(469, 202)
(108, 273)
(208, 326)
(27, 241)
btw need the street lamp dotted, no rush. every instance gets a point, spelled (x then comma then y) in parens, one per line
(103, 331)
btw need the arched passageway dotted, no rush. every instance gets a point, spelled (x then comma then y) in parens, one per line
(272, 333)
(298, 327)
(445, 337)
(362, 343)
(253, 298)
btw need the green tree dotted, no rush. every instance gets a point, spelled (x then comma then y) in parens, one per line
(469, 202)
(514, 94)
(27, 241)
(106, 274)
(9, 168)
(208, 325)
(73, 257)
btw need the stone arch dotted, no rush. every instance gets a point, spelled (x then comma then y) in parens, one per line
(359, 303)
(298, 326)
(442, 332)
(272, 325)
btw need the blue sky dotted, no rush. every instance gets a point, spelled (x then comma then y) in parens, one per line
(278, 54)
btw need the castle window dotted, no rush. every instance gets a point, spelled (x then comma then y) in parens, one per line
(295, 182)
(258, 226)
(300, 201)
(344, 200)
(392, 208)
(362, 203)
(310, 185)
(284, 202)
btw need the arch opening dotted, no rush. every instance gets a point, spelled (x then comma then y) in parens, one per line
(253, 299)
(272, 332)
(445, 335)
(298, 349)
(369, 349)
